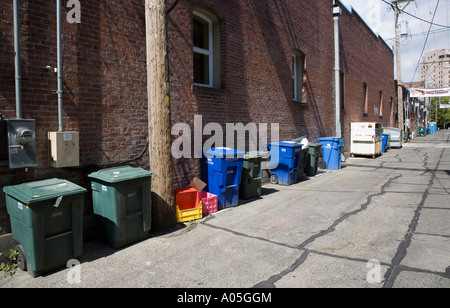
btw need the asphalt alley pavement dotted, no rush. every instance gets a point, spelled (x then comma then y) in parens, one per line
(375, 223)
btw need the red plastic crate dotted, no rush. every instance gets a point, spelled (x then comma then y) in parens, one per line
(186, 198)
(188, 204)
(209, 202)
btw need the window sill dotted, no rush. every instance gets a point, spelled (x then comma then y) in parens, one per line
(200, 89)
(301, 103)
(202, 85)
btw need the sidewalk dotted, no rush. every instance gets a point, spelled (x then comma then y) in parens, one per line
(375, 223)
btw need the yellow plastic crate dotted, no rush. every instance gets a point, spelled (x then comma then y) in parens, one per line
(189, 214)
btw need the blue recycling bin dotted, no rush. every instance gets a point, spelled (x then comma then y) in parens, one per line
(284, 162)
(331, 151)
(433, 127)
(224, 171)
(384, 142)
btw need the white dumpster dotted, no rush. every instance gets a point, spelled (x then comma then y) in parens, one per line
(366, 138)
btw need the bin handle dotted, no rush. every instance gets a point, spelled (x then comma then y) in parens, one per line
(58, 201)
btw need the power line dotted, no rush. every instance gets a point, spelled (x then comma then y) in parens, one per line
(422, 33)
(425, 44)
(430, 22)
(416, 17)
(431, 32)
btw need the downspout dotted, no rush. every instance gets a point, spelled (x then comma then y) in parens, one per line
(337, 70)
(59, 66)
(17, 77)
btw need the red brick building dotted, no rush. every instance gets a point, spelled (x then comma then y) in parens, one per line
(231, 61)
(367, 70)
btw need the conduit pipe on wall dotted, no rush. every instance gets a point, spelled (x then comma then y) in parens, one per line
(337, 69)
(17, 77)
(59, 66)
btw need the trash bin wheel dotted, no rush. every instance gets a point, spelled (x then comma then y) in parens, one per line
(21, 260)
(273, 179)
(321, 164)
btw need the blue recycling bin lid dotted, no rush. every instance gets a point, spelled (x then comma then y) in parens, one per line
(290, 148)
(224, 152)
(332, 141)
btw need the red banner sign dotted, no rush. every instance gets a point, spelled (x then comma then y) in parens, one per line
(416, 92)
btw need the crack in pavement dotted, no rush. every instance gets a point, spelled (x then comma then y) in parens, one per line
(389, 279)
(344, 217)
(396, 268)
(270, 283)
(273, 279)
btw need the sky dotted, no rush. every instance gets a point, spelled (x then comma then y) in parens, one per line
(379, 16)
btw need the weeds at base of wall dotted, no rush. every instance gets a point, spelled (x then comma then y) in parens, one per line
(10, 266)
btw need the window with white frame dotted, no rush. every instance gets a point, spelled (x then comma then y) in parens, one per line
(203, 50)
(206, 49)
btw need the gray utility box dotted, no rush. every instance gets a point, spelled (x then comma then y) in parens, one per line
(21, 143)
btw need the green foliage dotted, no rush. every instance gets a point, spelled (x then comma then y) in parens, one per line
(11, 266)
(443, 115)
(193, 222)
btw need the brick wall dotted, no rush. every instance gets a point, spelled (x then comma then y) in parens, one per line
(256, 65)
(104, 74)
(105, 95)
(365, 58)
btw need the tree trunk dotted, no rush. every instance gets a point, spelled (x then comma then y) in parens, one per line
(163, 207)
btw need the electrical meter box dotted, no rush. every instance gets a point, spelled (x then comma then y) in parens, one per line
(21, 143)
(64, 149)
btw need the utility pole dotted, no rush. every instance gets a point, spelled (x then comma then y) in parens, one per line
(163, 203)
(401, 121)
(436, 109)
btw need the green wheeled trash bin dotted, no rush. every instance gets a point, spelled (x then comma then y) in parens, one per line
(305, 150)
(302, 168)
(47, 221)
(422, 131)
(251, 179)
(122, 203)
(312, 159)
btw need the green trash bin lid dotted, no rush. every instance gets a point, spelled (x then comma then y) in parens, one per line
(43, 190)
(120, 174)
